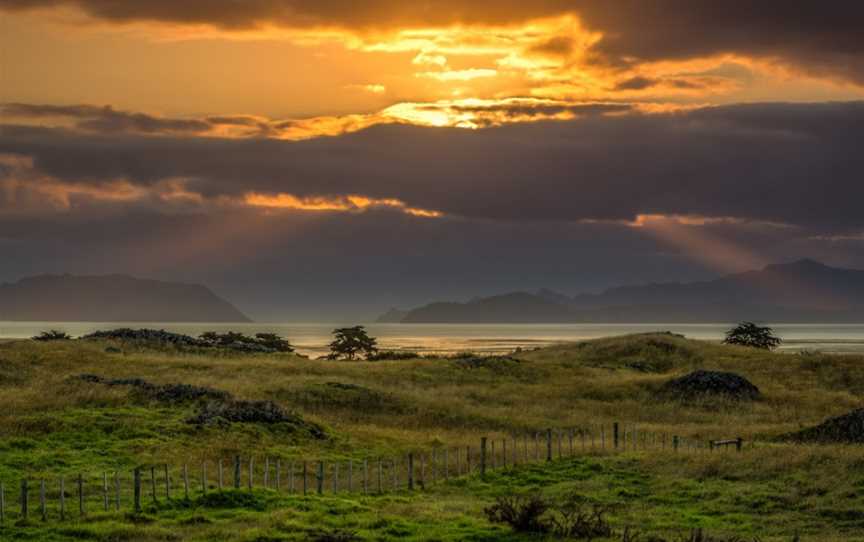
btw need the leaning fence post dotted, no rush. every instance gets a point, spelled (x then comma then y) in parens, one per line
(482, 456)
(615, 435)
(411, 471)
(24, 491)
(548, 445)
(136, 490)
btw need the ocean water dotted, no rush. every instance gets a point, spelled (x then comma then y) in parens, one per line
(312, 338)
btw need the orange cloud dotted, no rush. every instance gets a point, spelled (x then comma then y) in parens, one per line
(350, 203)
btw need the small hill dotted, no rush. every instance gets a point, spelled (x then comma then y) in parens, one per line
(801, 291)
(112, 298)
(848, 428)
(710, 384)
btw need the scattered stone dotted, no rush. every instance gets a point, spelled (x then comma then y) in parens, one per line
(848, 428)
(710, 384)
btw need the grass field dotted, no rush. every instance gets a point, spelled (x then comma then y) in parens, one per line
(52, 423)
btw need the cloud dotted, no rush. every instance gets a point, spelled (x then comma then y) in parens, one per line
(796, 164)
(819, 39)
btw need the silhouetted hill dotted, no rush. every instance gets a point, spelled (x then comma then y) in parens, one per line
(112, 298)
(802, 291)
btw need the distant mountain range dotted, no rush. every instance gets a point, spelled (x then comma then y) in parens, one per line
(802, 291)
(112, 298)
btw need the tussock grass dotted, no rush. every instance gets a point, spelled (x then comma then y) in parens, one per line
(51, 423)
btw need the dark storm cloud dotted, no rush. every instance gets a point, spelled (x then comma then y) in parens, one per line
(821, 38)
(106, 119)
(791, 163)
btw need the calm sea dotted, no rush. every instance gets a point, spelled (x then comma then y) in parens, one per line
(312, 338)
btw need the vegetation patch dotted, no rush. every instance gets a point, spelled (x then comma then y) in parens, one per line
(700, 385)
(652, 352)
(168, 393)
(264, 412)
(341, 396)
(848, 428)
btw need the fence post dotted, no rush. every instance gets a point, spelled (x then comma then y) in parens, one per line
(266, 472)
(468, 460)
(411, 471)
(204, 476)
(492, 454)
(615, 435)
(220, 474)
(62, 498)
(320, 477)
(305, 478)
(167, 484)
(42, 507)
(365, 475)
(350, 475)
(186, 481)
(548, 445)
(153, 483)
(136, 489)
(482, 457)
(236, 472)
(711, 445)
(24, 491)
(739, 443)
(116, 491)
(278, 474)
(2, 503)
(251, 483)
(105, 490)
(446, 466)
(380, 476)
(675, 443)
(504, 453)
(80, 494)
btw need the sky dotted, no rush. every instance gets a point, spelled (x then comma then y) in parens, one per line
(325, 160)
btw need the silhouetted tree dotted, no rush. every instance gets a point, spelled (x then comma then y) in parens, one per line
(348, 342)
(52, 335)
(274, 341)
(749, 334)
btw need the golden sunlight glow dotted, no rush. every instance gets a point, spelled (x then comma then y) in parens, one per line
(351, 203)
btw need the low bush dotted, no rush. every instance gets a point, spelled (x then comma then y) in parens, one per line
(52, 335)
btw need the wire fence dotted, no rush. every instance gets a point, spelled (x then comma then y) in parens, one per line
(71, 496)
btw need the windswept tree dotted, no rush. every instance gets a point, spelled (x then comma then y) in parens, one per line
(348, 342)
(749, 334)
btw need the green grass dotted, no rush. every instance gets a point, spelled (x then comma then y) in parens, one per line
(52, 424)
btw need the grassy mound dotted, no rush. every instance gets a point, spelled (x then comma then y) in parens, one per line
(848, 429)
(650, 352)
(342, 396)
(701, 385)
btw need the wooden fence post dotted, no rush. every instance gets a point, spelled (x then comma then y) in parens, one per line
(136, 490)
(739, 443)
(492, 454)
(236, 472)
(2, 503)
(380, 476)
(446, 466)
(483, 457)
(548, 445)
(335, 477)
(24, 491)
(305, 478)
(105, 490)
(153, 483)
(536, 446)
(42, 507)
(411, 471)
(251, 482)
(80, 494)
(186, 481)
(62, 498)
(266, 472)
(468, 459)
(204, 476)
(278, 474)
(559, 443)
(116, 491)
(350, 475)
(504, 453)
(220, 480)
(167, 484)
(570, 439)
(675, 443)
(320, 477)
(365, 475)
(615, 435)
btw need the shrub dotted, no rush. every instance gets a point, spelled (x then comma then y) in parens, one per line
(749, 334)
(523, 514)
(392, 355)
(52, 335)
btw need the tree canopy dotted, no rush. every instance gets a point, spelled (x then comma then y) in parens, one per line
(750, 334)
(348, 342)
